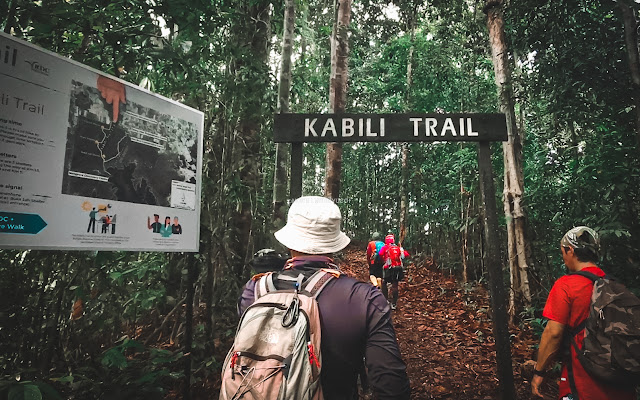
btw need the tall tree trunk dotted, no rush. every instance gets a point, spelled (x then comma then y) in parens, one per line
(337, 92)
(465, 237)
(11, 16)
(404, 200)
(52, 331)
(252, 76)
(281, 175)
(403, 194)
(630, 21)
(207, 261)
(496, 284)
(192, 276)
(513, 175)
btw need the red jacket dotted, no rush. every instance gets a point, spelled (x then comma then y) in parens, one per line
(390, 260)
(371, 251)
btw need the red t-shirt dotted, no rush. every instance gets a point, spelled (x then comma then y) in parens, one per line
(568, 303)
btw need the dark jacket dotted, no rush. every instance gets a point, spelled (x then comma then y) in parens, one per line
(356, 324)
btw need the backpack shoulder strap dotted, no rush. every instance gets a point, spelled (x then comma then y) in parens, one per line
(570, 338)
(319, 280)
(587, 274)
(264, 285)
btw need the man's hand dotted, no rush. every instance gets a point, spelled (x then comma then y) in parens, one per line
(113, 92)
(535, 385)
(549, 346)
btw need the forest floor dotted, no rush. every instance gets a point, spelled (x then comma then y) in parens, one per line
(445, 334)
(444, 330)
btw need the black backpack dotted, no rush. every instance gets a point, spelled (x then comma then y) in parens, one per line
(611, 347)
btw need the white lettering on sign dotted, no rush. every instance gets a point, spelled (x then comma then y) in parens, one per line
(329, 126)
(308, 127)
(369, 133)
(416, 125)
(430, 126)
(346, 127)
(448, 127)
(470, 131)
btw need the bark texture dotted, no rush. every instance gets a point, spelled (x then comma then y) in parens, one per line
(405, 146)
(246, 153)
(496, 284)
(630, 21)
(520, 294)
(337, 93)
(281, 175)
(403, 193)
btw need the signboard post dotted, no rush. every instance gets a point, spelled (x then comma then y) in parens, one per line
(90, 162)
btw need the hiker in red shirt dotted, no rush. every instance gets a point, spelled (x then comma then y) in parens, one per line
(567, 307)
(374, 261)
(393, 271)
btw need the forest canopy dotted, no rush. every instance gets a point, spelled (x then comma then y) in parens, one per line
(575, 84)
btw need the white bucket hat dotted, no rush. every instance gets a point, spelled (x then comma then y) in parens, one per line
(313, 227)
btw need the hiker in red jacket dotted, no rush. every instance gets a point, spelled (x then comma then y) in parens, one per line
(374, 261)
(393, 271)
(567, 306)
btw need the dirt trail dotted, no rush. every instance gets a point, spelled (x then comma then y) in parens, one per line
(445, 334)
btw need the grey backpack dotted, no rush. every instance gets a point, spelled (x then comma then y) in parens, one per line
(276, 351)
(611, 348)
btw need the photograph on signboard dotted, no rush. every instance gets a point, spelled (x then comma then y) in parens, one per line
(138, 156)
(166, 227)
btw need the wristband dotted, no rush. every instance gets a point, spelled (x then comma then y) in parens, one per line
(539, 373)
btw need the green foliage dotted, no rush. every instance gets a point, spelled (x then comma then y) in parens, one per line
(573, 99)
(15, 389)
(582, 159)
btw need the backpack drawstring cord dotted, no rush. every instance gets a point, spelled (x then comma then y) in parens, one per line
(245, 385)
(313, 359)
(234, 358)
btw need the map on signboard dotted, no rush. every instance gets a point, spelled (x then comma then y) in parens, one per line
(145, 157)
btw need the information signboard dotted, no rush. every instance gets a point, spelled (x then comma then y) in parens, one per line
(90, 162)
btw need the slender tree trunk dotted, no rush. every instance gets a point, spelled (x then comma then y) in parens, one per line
(78, 55)
(253, 77)
(496, 284)
(281, 175)
(52, 332)
(513, 174)
(11, 16)
(577, 199)
(630, 21)
(40, 307)
(192, 276)
(465, 233)
(403, 193)
(404, 200)
(337, 92)
(208, 294)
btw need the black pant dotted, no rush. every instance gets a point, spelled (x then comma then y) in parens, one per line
(92, 225)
